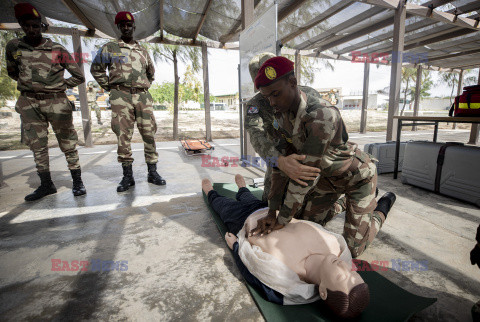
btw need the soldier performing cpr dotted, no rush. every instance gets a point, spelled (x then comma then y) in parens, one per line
(260, 124)
(130, 74)
(307, 127)
(38, 65)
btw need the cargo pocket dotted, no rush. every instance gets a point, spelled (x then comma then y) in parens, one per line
(115, 123)
(34, 137)
(366, 167)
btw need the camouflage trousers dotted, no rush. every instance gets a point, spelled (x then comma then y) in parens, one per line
(362, 223)
(94, 107)
(127, 109)
(36, 115)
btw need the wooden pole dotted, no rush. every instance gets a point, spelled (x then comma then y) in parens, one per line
(474, 129)
(298, 66)
(363, 118)
(459, 91)
(206, 93)
(247, 18)
(418, 88)
(82, 91)
(396, 69)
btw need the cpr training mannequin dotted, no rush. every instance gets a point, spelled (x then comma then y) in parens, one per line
(303, 251)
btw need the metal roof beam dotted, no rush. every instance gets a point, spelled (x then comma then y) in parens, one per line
(309, 44)
(422, 11)
(409, 28)
(376, 26)
(315, 21)
(464, 53)
(202, 20)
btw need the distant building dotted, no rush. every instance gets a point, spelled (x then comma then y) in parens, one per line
(229, 100)
(352, 101)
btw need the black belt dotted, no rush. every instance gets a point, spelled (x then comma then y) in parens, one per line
(131, 90)
(43, 96)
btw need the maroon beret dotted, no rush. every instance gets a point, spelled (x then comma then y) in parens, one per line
(123, 16)
(272, 70)
(23, 9)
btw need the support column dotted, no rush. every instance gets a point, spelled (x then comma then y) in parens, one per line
(418, 88)
(82, 91)
(298, 66)
(248, 7)
(206, 93)
(396, 68)
(363, 118)
(459, 91)
(247, 18)
(474, 130)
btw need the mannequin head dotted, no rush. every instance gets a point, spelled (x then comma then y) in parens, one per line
(342, 289)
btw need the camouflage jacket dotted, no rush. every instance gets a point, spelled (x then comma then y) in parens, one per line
(128, 65)
(40, 69)
(318, 132)
(259, 124)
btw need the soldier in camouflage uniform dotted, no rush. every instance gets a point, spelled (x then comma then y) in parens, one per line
(92, 101)
(305, 126)
(259, 123)
(130, 74)
(38, 65)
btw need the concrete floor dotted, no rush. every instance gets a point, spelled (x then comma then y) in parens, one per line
(179, 268)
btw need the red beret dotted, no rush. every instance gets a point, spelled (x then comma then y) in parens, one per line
(23, 9)
(272, 70)
(123, 16)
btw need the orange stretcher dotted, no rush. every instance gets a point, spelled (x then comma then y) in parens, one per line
(193, 147)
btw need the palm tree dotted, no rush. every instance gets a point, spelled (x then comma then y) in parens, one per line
(408, 74)
(174, 54)
(451, 79)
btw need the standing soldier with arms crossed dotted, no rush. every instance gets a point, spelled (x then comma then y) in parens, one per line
(262, 126)
(92, 101)
(130, 74)
(38, 65)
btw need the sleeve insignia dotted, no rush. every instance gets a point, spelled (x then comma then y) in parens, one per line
(275, 124)
(252, 110)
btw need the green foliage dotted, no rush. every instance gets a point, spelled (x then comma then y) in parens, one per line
(162, 93)
(7, 85)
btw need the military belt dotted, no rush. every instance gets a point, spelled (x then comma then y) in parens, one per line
(43, 96)
(131, 90)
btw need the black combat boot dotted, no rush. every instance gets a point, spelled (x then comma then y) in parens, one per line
(78, 188)
(385, 203)
(46, 187)
(127, 180)
(153, 176)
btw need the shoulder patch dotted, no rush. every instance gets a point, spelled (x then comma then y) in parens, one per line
(275, 124)
(252, 110)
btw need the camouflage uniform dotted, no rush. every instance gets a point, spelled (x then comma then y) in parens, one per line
(92, 103)
(318, 131)
(39, 73)
(259, 125)
(131, 72)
